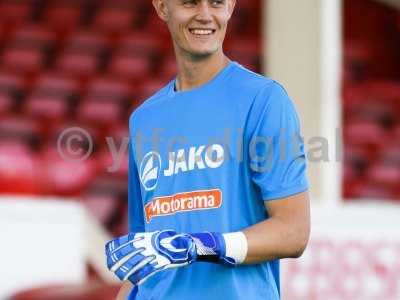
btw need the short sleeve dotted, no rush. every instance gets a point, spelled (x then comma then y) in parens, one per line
(276, 149)
(135, 204)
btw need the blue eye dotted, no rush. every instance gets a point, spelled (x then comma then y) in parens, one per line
(217, 2)
(189, 2)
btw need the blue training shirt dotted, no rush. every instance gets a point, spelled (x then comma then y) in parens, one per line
(206, 159)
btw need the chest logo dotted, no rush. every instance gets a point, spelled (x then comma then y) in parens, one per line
(180, 161)
(149, 170)
(196, 158)
(183, 202)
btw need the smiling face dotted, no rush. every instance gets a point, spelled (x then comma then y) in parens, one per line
(197, 27)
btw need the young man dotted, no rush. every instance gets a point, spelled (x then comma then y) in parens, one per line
(217, 185)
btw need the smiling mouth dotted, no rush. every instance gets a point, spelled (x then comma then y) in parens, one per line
(201, 31)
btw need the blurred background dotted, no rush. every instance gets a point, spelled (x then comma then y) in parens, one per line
(90, 63)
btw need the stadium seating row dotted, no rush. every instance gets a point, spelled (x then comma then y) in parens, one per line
(371, 101)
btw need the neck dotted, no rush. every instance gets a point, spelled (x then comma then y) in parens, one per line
(194, 72)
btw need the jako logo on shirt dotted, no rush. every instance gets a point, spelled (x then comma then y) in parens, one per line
(149, 170)
(183, 202)
(182, 160)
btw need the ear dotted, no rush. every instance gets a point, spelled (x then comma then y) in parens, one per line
(231, 6)
(161, 9)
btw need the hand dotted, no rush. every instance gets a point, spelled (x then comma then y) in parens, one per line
(137, 256)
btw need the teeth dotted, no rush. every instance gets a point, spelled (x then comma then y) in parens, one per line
(201, 31)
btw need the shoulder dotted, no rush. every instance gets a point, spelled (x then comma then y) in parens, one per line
(253, 83)
(268, 98)
(273, 100)
(248, 80)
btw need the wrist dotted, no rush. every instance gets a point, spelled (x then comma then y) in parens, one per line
(229, 248)
(236, 246)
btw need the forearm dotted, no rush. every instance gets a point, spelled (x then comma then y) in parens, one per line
(274, 239)
(284, 235)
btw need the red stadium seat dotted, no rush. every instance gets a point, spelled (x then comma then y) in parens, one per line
(50, 106)
(110, 163)
(114, 19)
(130, 66)
(150, 87)
(360, 132)
(51, 97)
(246, 51)
(6, 103)
(126, 4)
(63, 15)
(27, 48)
(372, 90)
(357, 56)
(384, 174)
(106, 85)
(350, 189)
(372, 190)
(82, 55)
(141, 43)
(14, 12)
(350, 174)
(154, 26)
(357, 157)
(3, 34)
(33, 35)
(354, 94)
(119, 131)
(78, 63)
(88, 291)
(107, 89)
(246, 19)
(88, 40)
(21, 128)
(24, 59)
(384, 89)
(396, 132)
(61, 176)
(356, 161)
(119, 134)
(10, 82)
(18, 168)
(135, 53)
(378, 111)
(57, 83)
(169, 68)
(93, 132)
(390, 154)
(101, 112)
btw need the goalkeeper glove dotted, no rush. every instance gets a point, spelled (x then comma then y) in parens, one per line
(137, 256)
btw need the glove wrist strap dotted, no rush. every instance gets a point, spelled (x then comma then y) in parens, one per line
(229, 249)
(236, 246)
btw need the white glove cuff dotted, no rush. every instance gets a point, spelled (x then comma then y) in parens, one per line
(236, 246)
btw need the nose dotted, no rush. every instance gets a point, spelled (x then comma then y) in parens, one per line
(204, 13)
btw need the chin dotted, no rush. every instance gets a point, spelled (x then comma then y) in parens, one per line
(203, 52)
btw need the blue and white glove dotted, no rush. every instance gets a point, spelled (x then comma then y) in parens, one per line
(137, 256)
